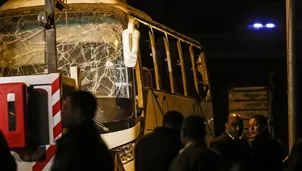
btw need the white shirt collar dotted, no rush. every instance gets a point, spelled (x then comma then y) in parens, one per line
(233, 138)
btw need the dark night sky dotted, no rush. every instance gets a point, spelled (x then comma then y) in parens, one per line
(210, 16)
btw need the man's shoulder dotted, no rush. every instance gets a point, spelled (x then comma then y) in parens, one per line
(275, 142)
(203, 154)
(144, 139)
(276, 146)
(159, 134)
(220, 139)
(207, 152)
(147, 137)
(213, 155)
(160, 139)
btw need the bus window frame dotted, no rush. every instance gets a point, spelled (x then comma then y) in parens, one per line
(204, 68)
(204, 72)
(137, 81)
(192, 55)
(170, 70)
(154, 55)
(139, 84)
(182, 65)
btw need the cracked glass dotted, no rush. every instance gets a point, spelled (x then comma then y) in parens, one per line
(89, 40)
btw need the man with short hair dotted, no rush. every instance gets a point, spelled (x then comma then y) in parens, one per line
(81, 148)
(155, 151)
(231, 145)
(267, 153)
(195, 156)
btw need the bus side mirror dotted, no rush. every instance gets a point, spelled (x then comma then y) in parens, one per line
(130, 44)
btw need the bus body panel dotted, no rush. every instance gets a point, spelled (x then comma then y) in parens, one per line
(158, 103)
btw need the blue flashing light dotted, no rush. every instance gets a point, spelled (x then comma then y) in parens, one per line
(257, 25)
(260, 26)
(270, 25)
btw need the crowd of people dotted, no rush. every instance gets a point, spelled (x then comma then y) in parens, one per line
(178, 145)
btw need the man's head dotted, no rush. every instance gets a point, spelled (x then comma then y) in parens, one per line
(173, 120)
(234, 125)
(257, 125)
(79, 106)
(193, 129)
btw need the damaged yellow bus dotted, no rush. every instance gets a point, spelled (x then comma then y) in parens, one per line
(137, 68)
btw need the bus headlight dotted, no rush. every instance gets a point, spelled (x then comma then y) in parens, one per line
(126, 152)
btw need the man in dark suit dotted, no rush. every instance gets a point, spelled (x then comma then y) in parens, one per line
(155, 151)
(232, 146)
(267, 152)
(195, 156)
(81, 148)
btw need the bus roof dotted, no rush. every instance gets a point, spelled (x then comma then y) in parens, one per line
(15, 4)
(146, 18)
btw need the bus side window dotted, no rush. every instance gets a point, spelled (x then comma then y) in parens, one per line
(201, 72)
(189, 70)
(148, 74)
(162, 61)
(178, 84)
(199, 65)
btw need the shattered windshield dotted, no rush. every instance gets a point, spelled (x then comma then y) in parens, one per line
(89, 40)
